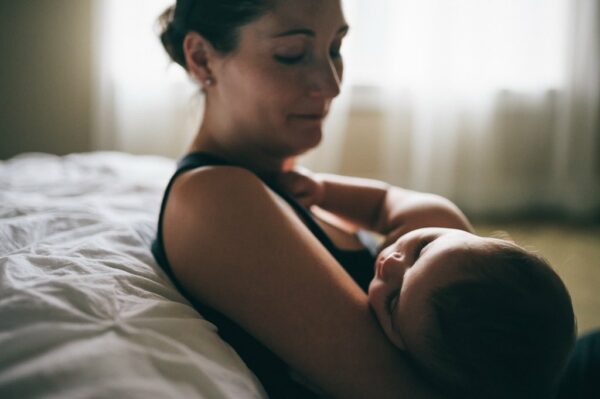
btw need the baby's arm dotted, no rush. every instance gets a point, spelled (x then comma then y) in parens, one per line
(354, 199)
(374, 205)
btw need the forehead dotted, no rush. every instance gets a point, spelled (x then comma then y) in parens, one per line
(447, 256)
(448, 260)
(317, 15)
(308, 6)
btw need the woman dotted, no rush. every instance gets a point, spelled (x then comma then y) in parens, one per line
(278, 281)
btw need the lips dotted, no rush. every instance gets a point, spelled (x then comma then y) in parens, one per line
(316, 112)
(310, 117)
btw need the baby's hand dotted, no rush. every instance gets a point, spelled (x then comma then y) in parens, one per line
(304, 185)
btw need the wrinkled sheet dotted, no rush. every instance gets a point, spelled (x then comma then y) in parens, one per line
(85, 312)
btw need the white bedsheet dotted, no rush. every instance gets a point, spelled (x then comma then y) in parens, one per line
(85, 312)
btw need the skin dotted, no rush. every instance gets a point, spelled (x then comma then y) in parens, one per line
(408, 271)
(238, 247)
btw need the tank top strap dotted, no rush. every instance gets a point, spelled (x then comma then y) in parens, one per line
(199, 159)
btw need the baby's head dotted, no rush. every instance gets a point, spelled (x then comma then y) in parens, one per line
(478, 317)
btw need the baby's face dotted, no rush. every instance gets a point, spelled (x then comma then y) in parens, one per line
(408, 271)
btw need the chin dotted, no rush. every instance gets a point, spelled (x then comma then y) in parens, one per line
(304, 134)
(310, 138)
(300, 145)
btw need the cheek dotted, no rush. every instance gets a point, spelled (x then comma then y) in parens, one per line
(283, 85)
(249, 95)
(271, 90)
(376, 294)
(412, 315)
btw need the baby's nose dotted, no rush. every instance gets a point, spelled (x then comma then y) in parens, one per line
(392, 266)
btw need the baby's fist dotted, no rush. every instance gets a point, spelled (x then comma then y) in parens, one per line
(304, 185)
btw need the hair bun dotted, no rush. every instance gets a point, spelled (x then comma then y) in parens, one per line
(182, 10)
(217, 21)
(171, 35)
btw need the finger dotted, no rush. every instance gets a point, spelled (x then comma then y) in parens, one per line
(306, 200)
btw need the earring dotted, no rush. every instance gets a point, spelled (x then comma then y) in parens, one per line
(209, 81)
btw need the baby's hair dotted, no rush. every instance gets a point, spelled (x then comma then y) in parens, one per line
(505, 331)
(502, 235)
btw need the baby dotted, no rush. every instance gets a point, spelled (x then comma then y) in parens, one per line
(477, 317)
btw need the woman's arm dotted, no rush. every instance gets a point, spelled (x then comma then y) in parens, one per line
(374, 205)
(236, 246)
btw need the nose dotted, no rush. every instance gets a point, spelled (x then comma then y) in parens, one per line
(326, 81)
(392, 267)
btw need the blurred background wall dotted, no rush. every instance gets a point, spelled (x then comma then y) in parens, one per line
(45, 76)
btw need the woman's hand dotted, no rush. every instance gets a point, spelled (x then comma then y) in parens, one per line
(410, 210)
(304, 185)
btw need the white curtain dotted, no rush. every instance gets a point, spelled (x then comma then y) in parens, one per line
(493, 103)
(143, 102)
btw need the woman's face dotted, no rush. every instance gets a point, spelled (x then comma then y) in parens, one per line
(408, 271)
(277, 86)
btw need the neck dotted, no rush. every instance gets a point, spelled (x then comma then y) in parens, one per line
(220, 135)
(229, 147)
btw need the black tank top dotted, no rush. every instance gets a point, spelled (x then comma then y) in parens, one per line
(272, 372)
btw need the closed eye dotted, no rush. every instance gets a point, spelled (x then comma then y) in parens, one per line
(288, 60)
(419, 249)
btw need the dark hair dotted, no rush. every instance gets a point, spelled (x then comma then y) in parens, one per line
(218, 21)
(505, 332)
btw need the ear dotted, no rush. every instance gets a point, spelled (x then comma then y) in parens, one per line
(199, 54)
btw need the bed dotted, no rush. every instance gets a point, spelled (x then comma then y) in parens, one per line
(84, 309)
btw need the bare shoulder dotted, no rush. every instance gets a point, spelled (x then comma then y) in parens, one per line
(215, 178)
(215, 206)
(219, 200)
(221, 221)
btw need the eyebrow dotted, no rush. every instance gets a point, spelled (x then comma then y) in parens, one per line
(308, 32)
